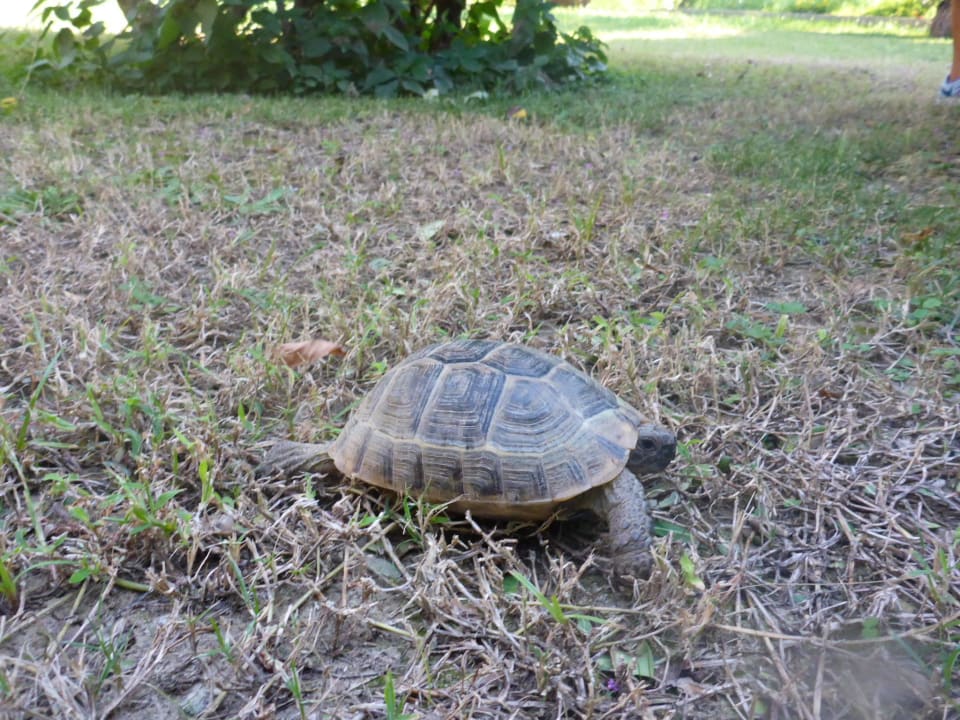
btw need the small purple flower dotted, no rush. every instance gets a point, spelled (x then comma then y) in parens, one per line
(613, 686)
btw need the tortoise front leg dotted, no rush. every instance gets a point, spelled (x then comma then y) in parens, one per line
(628, 516)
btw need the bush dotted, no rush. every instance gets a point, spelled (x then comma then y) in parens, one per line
(902, 8)
(379, 47)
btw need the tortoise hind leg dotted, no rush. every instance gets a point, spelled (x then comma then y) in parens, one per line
(285, 457)
(625, 506)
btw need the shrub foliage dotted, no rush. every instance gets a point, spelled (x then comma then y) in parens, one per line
(379, 47)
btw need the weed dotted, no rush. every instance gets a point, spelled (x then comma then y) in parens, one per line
(750, 329)
(296, 689)
(550, 604)
(268, 204)
(51, 202)
(394, 705)
(948, 671)
(640, 662)
(8, 583)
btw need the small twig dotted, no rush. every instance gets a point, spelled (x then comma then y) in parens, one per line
(393, 630)
(332, 574)
(19, 627)
(824, 642)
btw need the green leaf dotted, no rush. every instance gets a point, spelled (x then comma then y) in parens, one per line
(394, 707)
(870, 628)
(79, 576)
(640, 663)
(376, 17)
(93, 32)
(645, 663)
(948, 667)
(387, 90)
(167, 496)
(413, 86)
(555, 610)
(662, 528)
(79, 513)
(551, 604)
(787, 308)
(82, 19)
(586, 622)
(65, 47)
(689, 571)
(24, 431)
(130, 9)
(315, 46)
(525, 582)
(396, 37)
(169, 31)
(605, 663)
(782, 326)
(379, 75)
(206, 12)
(275, 55)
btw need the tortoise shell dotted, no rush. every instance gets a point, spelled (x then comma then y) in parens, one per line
(500, 429)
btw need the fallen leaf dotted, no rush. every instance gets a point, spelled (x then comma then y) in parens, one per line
(426, 233)
(309, 351)
(692, 688)
(917, 238)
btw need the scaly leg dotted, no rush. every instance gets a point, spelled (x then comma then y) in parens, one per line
(285, 457)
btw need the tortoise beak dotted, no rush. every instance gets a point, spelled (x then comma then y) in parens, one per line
(668, 450)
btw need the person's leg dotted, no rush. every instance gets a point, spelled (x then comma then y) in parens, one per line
(955, 30)
(951, 86)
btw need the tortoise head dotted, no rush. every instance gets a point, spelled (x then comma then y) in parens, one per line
(656, 447)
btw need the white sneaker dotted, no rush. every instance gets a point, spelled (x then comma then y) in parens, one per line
(950, 90)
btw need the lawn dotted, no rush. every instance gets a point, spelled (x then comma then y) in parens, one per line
(750, 233)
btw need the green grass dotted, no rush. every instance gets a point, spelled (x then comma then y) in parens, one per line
(753, 38)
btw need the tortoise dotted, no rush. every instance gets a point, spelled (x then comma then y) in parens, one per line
(504, 431)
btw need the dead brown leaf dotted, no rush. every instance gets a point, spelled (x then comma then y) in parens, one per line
(917, 238)
(306, 352)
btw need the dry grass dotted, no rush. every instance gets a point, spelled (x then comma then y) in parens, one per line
(807, 564)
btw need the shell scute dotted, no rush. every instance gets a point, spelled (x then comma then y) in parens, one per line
(461, 406)
(532, 419)
(518, 360)
(398, 402)
(482, 475)
(581, 391)
(524, 480)
(458, 351)
(408, 464)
